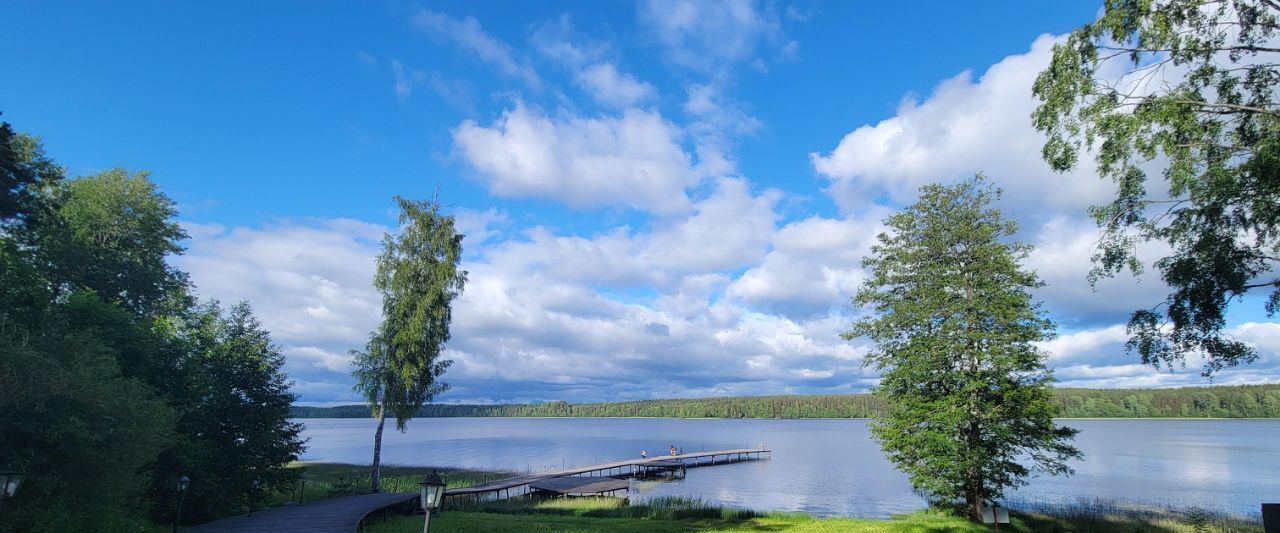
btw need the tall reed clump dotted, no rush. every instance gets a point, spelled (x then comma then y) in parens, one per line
(1109, 514)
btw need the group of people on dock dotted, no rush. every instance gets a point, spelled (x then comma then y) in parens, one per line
(671, 450)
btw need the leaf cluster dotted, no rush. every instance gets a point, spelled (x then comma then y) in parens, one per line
(1176, 102)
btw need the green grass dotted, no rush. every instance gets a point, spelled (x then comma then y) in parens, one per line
(500, 522)
(328, 480)
(614, 515)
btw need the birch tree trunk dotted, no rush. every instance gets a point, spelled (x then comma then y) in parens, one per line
(375, 478)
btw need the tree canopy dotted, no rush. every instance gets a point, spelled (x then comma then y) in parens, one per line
(1176, 102)
(968, 402)
(115, 379)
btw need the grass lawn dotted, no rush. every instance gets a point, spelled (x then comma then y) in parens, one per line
(538, 523)
(327, 480)
(611, 515)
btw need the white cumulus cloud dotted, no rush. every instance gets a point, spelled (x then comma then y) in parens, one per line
(613, 88)
(630, 160)
(966, 126)
(310, 282)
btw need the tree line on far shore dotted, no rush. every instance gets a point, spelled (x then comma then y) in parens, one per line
(1237, 401)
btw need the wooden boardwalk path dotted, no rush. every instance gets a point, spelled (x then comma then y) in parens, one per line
(344, 514)
(625, 468)
(334, 515)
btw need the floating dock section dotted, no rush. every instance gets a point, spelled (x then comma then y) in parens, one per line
(580, 486)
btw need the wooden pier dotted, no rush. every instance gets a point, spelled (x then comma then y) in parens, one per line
(505, 488)
(580, 486)
(344, 514)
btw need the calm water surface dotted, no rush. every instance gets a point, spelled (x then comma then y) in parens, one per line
(832, 467)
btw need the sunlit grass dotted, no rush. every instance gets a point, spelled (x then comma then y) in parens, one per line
(609, 514)
(329, 480)
(685, 514)
(517, 523)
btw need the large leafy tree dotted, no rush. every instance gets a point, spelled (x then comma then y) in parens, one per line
(87, 433)
(71, 370)
(234, 414)
(419, 278)
(967, 395)
(1176, 102)
(114, 381)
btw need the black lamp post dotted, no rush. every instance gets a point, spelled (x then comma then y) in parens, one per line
(184, 483)
(432, 493)
(302, 491)
(253, 494)
(11, 476)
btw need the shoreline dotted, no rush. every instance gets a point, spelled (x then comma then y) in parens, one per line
(693, 514)
(749, 418)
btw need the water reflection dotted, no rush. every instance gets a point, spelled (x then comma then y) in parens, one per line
(832, 467)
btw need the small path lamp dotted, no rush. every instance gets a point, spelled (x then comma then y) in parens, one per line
(11, 476)
(302, 489)
(184, 483)
(253, 493)
(432, 493)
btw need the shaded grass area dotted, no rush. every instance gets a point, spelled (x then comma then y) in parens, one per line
(692, 515)
(330, 480)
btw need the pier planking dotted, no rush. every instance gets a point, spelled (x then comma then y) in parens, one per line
(625, 468)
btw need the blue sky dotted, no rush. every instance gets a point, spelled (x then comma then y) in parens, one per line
(661, 198)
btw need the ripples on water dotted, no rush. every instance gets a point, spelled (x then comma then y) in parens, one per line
(832, 467)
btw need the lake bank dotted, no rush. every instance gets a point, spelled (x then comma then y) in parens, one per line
(527, 515)
(833, 467)
(1221, 401)
(614, 515)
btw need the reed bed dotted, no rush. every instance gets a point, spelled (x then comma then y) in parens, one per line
(1108, 514)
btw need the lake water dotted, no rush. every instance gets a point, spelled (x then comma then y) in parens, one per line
(832, 467)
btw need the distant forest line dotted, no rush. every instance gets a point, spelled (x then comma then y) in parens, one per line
(1236, 401)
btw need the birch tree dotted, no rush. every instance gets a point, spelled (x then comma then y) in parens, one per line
(418, 276)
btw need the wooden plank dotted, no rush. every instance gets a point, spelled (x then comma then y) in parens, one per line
(343, 515)
(518, 481)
